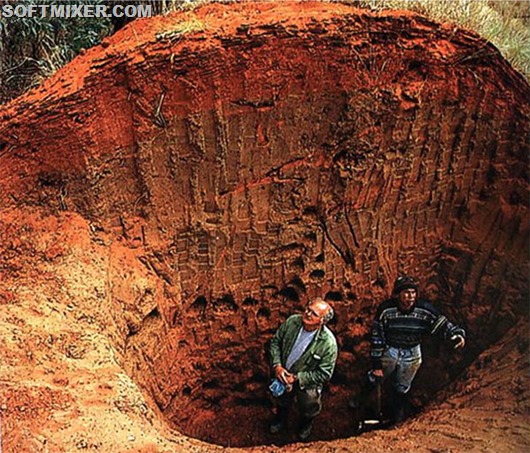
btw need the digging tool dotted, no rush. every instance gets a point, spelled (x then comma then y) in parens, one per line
(378, 422)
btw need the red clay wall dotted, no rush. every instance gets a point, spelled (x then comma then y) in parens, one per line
(281, 152)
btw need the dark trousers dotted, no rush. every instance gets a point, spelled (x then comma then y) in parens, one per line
(308, 401)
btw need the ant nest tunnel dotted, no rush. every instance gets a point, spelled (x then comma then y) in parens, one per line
(253, 159)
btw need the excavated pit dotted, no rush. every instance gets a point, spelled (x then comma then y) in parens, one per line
(260, 155)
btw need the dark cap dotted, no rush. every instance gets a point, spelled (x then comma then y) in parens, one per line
(404, 282)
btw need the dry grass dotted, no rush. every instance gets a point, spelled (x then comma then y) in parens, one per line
(505, 23)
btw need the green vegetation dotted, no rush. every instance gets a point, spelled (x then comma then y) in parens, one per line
(32, 49)
(180, 30)
(505, 23)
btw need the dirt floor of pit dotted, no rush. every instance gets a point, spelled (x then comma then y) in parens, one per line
(64, 389)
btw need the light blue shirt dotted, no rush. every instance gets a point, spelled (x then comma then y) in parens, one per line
(303, 340)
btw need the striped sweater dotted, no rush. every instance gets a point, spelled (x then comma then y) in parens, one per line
(392, 327)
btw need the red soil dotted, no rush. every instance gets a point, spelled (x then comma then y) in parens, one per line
(172, 195)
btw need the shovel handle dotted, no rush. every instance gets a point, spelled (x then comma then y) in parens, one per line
(378, 397)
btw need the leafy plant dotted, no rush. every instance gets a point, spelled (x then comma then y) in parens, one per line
(33, 48)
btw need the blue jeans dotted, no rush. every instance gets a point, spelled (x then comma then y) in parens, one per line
(404, 363)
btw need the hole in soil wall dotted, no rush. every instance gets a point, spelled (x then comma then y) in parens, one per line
(215, 388)
(316, 166)
(334, 296)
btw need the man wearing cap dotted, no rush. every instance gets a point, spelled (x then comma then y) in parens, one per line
(399, 326)
(303, 353)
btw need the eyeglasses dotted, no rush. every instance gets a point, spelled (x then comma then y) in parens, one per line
(312, 313)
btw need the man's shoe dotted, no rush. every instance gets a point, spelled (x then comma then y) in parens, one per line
(305, 429)
(279, 422)
(400, 408)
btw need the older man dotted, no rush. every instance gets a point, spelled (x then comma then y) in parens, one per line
(303, 354)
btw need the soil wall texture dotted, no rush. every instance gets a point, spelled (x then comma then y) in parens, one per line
(250, 157)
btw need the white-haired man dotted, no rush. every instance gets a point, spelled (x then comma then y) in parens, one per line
(303, 355)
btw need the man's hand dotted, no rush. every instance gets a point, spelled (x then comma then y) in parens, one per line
(284, 376)
(458, 341)
(291, 379)
(281, 373)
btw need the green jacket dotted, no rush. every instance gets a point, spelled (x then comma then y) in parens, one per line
(317, 362)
